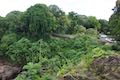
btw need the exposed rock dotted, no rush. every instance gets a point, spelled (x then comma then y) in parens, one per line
(107, 68)
(8, 71)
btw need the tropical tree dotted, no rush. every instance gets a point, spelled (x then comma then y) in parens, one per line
(3, 26)
(114, 22)
(7, 40)
(75, 21)
(92, 22)
(14, 20)
(105, 27)
(39, 21)
(61, 19)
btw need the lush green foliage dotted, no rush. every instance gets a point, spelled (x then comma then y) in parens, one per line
(14, 20)
(7, 40)
(26, 39)
(115, 25)
(77, 20)
(115, 21)
(31, 73)
(105, 27)
(3, 26)
(62, 54)
(61, 19)
(25, 51)
(39, 20)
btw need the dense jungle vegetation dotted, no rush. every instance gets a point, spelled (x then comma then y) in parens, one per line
(49, 44)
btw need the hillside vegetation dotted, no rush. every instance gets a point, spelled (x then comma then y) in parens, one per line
(47, 44)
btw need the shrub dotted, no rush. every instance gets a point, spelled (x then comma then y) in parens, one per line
(80, 29)
(7, 40)
(19, 51)
(91, 31)
(38, 50)
(25, 51)
(31, 72)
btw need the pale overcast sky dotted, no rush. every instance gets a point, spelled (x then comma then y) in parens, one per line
(99, 8)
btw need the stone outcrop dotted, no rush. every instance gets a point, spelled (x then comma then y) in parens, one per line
(8, 71)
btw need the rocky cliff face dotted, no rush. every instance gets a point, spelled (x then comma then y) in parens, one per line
(8, 70)
(107, 68)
